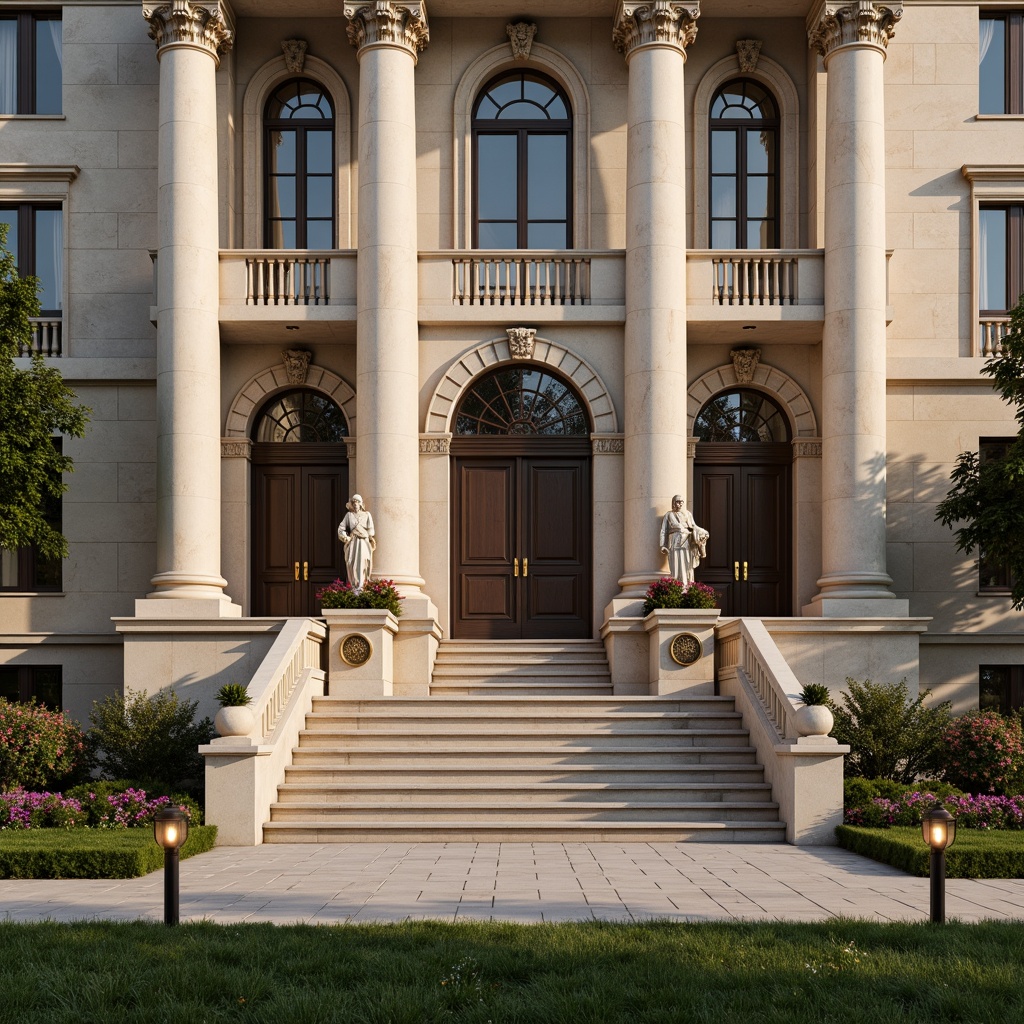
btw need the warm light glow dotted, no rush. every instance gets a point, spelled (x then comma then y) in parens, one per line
(171, 835)
(938, 834)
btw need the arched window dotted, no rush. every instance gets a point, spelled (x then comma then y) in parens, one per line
(298, 157)
(741, 415)
(522, 159)
(300, 416)
(517, 400)
(744, 159)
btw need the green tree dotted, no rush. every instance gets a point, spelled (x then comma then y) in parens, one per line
(35, 404)
(988, 497)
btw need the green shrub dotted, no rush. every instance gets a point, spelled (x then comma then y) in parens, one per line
(234, 695)
(39, 748)
(857, 792)
(154, 740)
(984, 753)
(104, 804)
(891, 736)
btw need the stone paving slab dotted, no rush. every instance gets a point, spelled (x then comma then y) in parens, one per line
(526, 882)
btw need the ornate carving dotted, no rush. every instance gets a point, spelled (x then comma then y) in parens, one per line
(296, 364)
(841, 23)
(350, 449)
(294, 51)
(747, 52)
(355, 650)
(691, 447)
(520, 37)
(807, 449)
(744, 363)
(647, 22)
(607, 445)
(236, 449)
(521, 341)
(182, 22)
(433, 444)
(386, 22)
(685, 649)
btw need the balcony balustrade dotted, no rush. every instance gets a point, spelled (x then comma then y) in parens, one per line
(47, 337)
(521, 279)
(991, 334)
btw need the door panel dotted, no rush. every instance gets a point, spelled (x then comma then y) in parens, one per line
(323, 558)
(715, 488)
(276, 539)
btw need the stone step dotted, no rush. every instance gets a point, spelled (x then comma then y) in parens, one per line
(478, 671)
(479, 721)
(514, 738)
(520, 688)
(516, 707)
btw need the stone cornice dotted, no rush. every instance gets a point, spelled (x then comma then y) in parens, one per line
(641, 23)
(837, 23)
(185, 23)
(387, 23)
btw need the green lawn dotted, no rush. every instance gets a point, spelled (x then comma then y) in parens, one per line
(89, 853)
(974, 854)
(418, 973)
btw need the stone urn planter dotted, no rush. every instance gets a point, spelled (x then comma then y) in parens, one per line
(813, 720)
(234, 721)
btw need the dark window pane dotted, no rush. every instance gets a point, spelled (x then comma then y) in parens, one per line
(498, 236)
(761, 234)
(320, 234)
(992, 66)
(496, 177)
(282, 197)
(49, 226)
(319, 152)
(994, 688)
(318, 197)
(547, 170)
(760, 151)
(757, 197)
(723, 234)
(723, 197)
(282, 152)
(540, 93)
(506, 92)
(523, 111)
(10, 688)
(48, 66)
(8, 568)
(8, 66)
(741, 415)
(46, 686)
(547, 236)
(723, 152)
(10, 218)
(301, 416)
(282, 234)
(992, 259)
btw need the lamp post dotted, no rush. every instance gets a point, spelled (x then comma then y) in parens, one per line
(170, 829)
(939, 829)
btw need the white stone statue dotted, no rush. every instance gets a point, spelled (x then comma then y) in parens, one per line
(683, 541)
(356, 532)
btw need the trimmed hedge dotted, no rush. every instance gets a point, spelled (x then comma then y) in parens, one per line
(91, 853)
(974, 854)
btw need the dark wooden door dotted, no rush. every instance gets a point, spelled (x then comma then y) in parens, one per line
(521, 547)
(296, 509)
(744, 503)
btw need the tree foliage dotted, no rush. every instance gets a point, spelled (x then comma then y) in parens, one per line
(988, 497)
(35, 404)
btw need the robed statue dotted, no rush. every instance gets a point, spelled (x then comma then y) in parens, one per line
(356, 533)
(683, 541)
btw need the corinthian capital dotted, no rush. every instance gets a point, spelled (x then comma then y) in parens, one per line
(655, 23)
(387, 23)
(184, 23)
(835, 23)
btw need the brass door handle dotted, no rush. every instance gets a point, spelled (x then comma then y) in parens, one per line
(744, 570)
(515, 566)
(526, 567)
(296, 570)
(305, 570)
(735, 570)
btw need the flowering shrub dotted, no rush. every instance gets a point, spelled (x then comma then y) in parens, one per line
(980, 812)
(376, 594)
(130, 808)
(672, 593)
(38, 747)
(21, 809)
(984, 753)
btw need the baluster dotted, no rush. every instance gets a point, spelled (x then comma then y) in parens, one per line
(557, 292)
(791, 267)
(716, 281)
(744, 284)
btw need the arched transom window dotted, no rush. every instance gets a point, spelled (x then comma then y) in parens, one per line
(300, 416)
(744, 158)
(519, 400)
(522, 159)
(741, 415)
(298, 160)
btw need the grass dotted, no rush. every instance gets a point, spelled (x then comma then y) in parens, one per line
(89, 853)
(593, 973)
(975, 853)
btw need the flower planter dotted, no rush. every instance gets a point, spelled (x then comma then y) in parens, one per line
(682, 651)
(234, 721)
(813, 720)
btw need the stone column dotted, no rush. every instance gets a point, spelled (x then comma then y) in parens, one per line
(189, 39)
(852, 38)
(654, 35)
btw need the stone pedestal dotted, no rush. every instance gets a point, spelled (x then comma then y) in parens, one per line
(361, 663)
(681, 651)
(626, 645)
(416, 647)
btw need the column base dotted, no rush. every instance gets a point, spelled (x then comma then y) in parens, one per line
(882, 606)
(181, 595)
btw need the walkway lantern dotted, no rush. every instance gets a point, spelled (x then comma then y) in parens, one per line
(939, 829)
(170, 829)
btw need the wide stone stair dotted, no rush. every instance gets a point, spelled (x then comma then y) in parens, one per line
(502, 756)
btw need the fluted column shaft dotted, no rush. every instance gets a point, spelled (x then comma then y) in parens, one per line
(851, 38)
(654, 37)
(189, 38)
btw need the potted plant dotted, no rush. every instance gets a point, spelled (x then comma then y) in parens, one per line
(234, 717)
(814, 717)
(376, 593)
(672, 593)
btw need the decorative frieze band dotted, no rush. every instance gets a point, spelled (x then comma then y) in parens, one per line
(691, 447)
(184, 23)
(835, 23)
(235, 448)
(807, 448)
(607, 444)
(435, 444)
(386, 23)
(655, 23)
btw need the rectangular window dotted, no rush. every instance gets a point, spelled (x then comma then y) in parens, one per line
(1001, 688)
(31, 59)
(35, 237)
(993, 577)
(26, 569)
(1000, 257)
(26, 682)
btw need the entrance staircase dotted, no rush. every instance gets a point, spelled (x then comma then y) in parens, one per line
(522, 742)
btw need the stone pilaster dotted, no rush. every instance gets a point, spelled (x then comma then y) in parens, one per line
(852, 37)
(189, 38)
(653, 36)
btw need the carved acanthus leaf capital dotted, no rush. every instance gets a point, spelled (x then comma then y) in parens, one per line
(184, 23)
(836, 23)
(655, 23)
(387, 23)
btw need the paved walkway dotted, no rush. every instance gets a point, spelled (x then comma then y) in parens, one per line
(527, 882)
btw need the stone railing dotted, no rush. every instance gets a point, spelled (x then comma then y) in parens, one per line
(501, 278)
(991, 332)
(287, 279)
(754, 278)
(243, 772)
(788, 282)
(47, 337)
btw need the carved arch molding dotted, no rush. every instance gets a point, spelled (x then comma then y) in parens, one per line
(458, 376)
(789, 396)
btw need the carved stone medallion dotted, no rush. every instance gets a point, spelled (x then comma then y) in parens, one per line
(747, 52)
(744, 362)
(520, 341)
(294, 51)
(296, 364)
(520, 37)
(685, 649)
(355, 650)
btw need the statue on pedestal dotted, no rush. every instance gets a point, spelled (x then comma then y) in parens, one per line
(356, 532)
(683, 541)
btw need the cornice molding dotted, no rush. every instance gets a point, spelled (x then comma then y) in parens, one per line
(640, 23)
(993, 172)
(837, 23)
(39, 172)
(387, 23)
(185, 23)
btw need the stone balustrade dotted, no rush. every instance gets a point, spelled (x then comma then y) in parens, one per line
(991, 333)
(521, 279)
(47, 337)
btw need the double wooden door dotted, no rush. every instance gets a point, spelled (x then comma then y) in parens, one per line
(521, 547)
(742, 497)
(298, 498)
